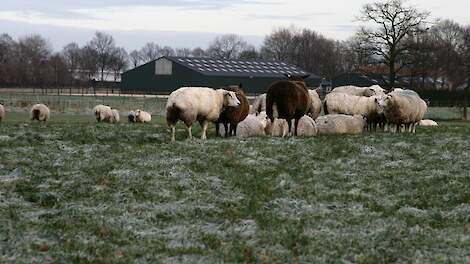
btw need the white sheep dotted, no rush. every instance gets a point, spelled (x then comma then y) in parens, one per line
(306, 127)
(259, 105)
(340, 124)
(253, 125)
(115, 116)
(40, 112)
(102, 113)
(403, 110)
(360, 91)
(278, 128)
(142, 116)
(203, 104)
(342, 103)
(2, 113)
(428, 123)
(315, 108)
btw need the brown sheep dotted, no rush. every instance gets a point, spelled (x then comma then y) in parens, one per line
(231, 116)
(291, 98)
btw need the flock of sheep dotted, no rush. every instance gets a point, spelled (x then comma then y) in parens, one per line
(290, 108)
(287, 108)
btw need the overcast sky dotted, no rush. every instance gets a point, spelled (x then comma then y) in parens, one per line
(191, 23)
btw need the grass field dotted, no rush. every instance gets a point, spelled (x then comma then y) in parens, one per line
(72, 190)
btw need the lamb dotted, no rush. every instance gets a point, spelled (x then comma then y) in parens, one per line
(307, 127)
(291, 98)
(428, 123)
(103, 113)
(360, 91)
(341, 103)
(340, 124)
(403, 110)
(203, 104)
(253, 125)
(315, 108)
(40, 112)
(2, 113)
(231, 116)
(278, 128)
(142, 116)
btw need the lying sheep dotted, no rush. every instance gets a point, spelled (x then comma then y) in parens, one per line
(203, 104)
(360, 91)
(40, 112)
(307, 127)
(253, 125)
(403, 110)
(278, 128)
(259, 105)
(2, 113)
(428, 123)
(341, 103)
(340, 124)
(315, 108)
(142, 116)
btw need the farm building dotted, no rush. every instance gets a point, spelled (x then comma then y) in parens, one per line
(167, 74)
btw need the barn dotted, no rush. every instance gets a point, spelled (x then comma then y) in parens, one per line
(166, 74)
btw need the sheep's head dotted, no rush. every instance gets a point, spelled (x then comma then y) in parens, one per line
(381, 103)
(230, 99)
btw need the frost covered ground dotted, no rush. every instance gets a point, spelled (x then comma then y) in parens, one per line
(76, 191)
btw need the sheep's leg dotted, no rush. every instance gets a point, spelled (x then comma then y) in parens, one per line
(173, 131)
(217, 127)
(204, 125)
(296, 124)
(233, 128)
(190, 133)
(226, 126)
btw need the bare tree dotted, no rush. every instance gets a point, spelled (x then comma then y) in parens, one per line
(119, 62)
(250, 53)
(279, 45)
(71, 54)
(104, 46)
(135, 58)
(394, 24)
(167, 51)
(7, 59)
(183, 52)
(464, 52)
(88, 60)
(150, 52)
(227, 47)
(198, 53)
(33, 52)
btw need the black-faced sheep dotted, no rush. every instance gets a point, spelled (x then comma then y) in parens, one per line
(203, 104)
(40, 112)
(291, 99)
(340, 124)
(131, 117)
(231, 116)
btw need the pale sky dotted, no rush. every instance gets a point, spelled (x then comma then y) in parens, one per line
(192, 23)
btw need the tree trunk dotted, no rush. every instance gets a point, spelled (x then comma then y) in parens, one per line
(392, 73)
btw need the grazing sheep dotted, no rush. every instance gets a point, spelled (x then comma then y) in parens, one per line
(307, 127)
(360, 91)
(403, 110)
(259, 105)
(40, 112)
(131, 117)
(315, 108)
(203, 104)
(278, 128)
(253, 125)
(2, 113)
(142, 116)
(115, 118)
(340, 124)
(428, 123)
(291, 98)
(231, 116)
(342, 103)
(103, 113)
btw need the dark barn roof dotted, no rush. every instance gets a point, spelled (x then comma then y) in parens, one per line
(245, 68)
(167, 74)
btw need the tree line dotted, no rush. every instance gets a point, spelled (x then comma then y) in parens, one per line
(401, 44)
